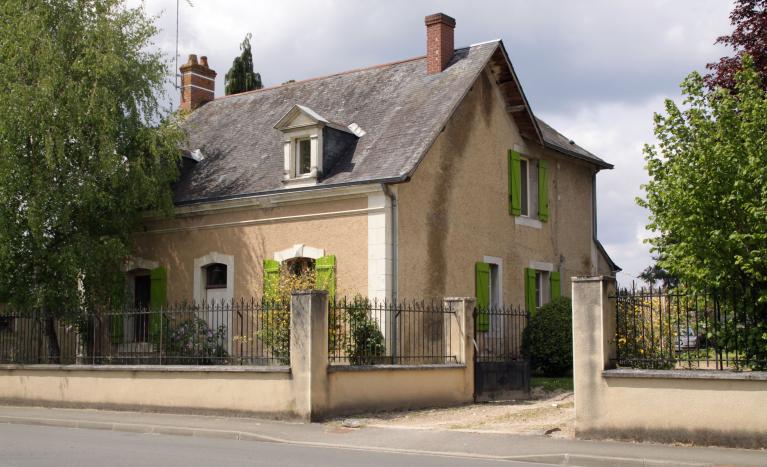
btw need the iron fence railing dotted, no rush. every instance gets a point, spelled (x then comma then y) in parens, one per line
(498, 333)
(365, 332)
(682, 328)
(216, 333)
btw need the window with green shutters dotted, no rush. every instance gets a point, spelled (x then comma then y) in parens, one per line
(482, 290)
(543, 190)
(325, 270)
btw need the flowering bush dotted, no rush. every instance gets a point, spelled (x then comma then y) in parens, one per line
(193, 341)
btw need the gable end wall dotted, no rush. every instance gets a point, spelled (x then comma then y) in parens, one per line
(454, 210)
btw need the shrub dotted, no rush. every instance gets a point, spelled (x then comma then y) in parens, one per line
(366, 344)
(193, 341)
(548, 339)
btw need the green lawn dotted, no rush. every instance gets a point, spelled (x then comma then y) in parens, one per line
(552, 384)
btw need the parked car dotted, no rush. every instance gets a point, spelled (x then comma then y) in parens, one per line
(687, 339)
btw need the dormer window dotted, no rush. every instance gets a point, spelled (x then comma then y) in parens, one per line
(312, 144)
(303, 156)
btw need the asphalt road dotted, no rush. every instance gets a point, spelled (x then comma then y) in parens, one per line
(22, 445)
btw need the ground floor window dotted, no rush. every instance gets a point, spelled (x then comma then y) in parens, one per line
(300, 266)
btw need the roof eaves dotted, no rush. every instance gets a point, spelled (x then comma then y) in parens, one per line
(596, 161)
(521, 92)
(614, 267)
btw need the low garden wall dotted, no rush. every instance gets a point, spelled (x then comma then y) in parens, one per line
(717, 407)
(266, 391)
(310, 388)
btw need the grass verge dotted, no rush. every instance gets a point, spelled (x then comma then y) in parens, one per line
(552, 384)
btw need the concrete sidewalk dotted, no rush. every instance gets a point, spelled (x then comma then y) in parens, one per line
(462, 444)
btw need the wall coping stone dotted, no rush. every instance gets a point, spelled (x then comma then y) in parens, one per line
(333, 368)
(687, 374)
(153, 368)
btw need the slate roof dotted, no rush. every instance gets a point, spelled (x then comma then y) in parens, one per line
(401, 108)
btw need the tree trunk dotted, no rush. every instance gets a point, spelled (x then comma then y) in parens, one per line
(49, 330)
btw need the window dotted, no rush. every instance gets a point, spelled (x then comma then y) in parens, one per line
(524, 186)
(303, 156)
(300, 266)
(215, 276)
(495, 286)
(542, 289)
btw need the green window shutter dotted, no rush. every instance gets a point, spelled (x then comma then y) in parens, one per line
(325, 269)
(556, 285)
(515, 184)
(482, 289)
(530, 290)
(158, 293)
(543, 191)
(271, 279)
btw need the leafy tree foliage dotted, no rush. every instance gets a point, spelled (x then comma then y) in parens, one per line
(707, 192)
(707, 196)
(241, 77)
(83, 150)
(654, 274)
(749, 17)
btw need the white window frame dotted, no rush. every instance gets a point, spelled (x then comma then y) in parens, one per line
(297, 154)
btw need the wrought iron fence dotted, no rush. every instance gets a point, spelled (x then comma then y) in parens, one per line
(215, 333)
(498, 333)
(686, 329)
(365, 332)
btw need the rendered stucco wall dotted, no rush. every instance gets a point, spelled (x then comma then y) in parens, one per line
(251, 235)
(265, 393)
(703, 407)
(354, 390)
(454, 211)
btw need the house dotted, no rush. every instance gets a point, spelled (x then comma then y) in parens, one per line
(420, 179)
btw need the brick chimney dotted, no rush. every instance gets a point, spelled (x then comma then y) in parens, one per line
(198, 83)
(440, 30)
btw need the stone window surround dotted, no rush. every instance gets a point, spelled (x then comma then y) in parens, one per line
(299, 250)
(200, 289)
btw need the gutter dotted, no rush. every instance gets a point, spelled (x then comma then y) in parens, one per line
(393, 200)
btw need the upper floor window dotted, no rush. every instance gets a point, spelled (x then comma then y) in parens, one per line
(528, 189)
(215, 276)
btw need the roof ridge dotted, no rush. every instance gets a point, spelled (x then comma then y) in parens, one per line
(316, 78)
(341, 73)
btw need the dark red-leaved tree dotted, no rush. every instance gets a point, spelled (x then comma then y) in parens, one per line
(749, 17)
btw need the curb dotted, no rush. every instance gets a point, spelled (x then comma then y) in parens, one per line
(557, 459)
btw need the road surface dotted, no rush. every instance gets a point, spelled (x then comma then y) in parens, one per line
(23, 445)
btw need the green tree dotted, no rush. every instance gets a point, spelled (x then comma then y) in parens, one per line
(707, 194)
(241, 77)
(84, 150)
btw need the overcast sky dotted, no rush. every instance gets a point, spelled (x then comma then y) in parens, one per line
(594, 69)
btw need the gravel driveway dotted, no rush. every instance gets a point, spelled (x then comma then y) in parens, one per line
(549, 413)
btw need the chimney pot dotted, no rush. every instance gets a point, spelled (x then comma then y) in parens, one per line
(197, 83)
(440, 36)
